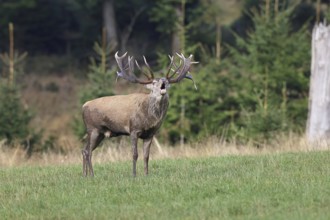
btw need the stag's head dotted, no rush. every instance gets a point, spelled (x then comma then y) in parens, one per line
(158, 86)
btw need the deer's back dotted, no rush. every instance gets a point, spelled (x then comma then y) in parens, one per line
(112, 112)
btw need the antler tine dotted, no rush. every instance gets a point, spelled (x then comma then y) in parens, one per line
(175, 71)
(183, 69)
(170, 66)
(127, 71)
(186, 67)
(150, 70)
(130, 65)
(144, 73)
(119, 59)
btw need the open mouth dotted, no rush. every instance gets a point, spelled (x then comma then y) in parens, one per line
(162, 89)
(162, 86)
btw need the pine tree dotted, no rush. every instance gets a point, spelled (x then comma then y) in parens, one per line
(273, 68)
(100, 77)
(14, 118)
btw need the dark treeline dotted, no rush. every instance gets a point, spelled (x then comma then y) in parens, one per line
(143, 26)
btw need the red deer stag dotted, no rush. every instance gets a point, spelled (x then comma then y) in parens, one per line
(138, 115)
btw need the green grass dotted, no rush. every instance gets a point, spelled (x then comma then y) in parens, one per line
(279, 186)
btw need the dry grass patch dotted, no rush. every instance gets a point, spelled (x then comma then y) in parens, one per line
(119, 150)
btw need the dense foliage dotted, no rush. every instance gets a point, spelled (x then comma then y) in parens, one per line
(273, 67)
(14, 117)
(257, 85)
(71, 27)
(100, 78)
(260, 89)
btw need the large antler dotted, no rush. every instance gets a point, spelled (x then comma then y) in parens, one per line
(182, 70)
(127, 70)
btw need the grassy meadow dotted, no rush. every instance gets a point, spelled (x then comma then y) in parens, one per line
(270, 186)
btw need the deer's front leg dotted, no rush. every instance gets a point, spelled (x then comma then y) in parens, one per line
(134, 140)
(146, 151)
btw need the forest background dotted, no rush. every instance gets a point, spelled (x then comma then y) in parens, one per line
(252, 77)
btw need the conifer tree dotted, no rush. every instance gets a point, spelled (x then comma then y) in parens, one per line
(100, 77)
(273, 69)
(14, 117)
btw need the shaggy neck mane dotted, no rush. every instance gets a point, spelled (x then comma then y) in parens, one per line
(158, 106)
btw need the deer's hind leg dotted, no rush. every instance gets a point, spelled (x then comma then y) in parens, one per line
(84, 153)
(94, 139)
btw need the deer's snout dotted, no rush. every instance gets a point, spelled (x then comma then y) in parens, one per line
(163, 89)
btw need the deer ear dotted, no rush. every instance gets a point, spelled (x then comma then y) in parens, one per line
(149, 86)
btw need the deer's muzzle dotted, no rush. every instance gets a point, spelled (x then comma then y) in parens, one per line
(163, 89)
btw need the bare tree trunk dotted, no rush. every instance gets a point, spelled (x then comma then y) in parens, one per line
(318, 124)
(218, 42)
(182, 122)
(267, 9)
(178, 36)
(318, 11)
(276, 8)
(109, 21)
(128, 30)
(11, 53)
(176, 42)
